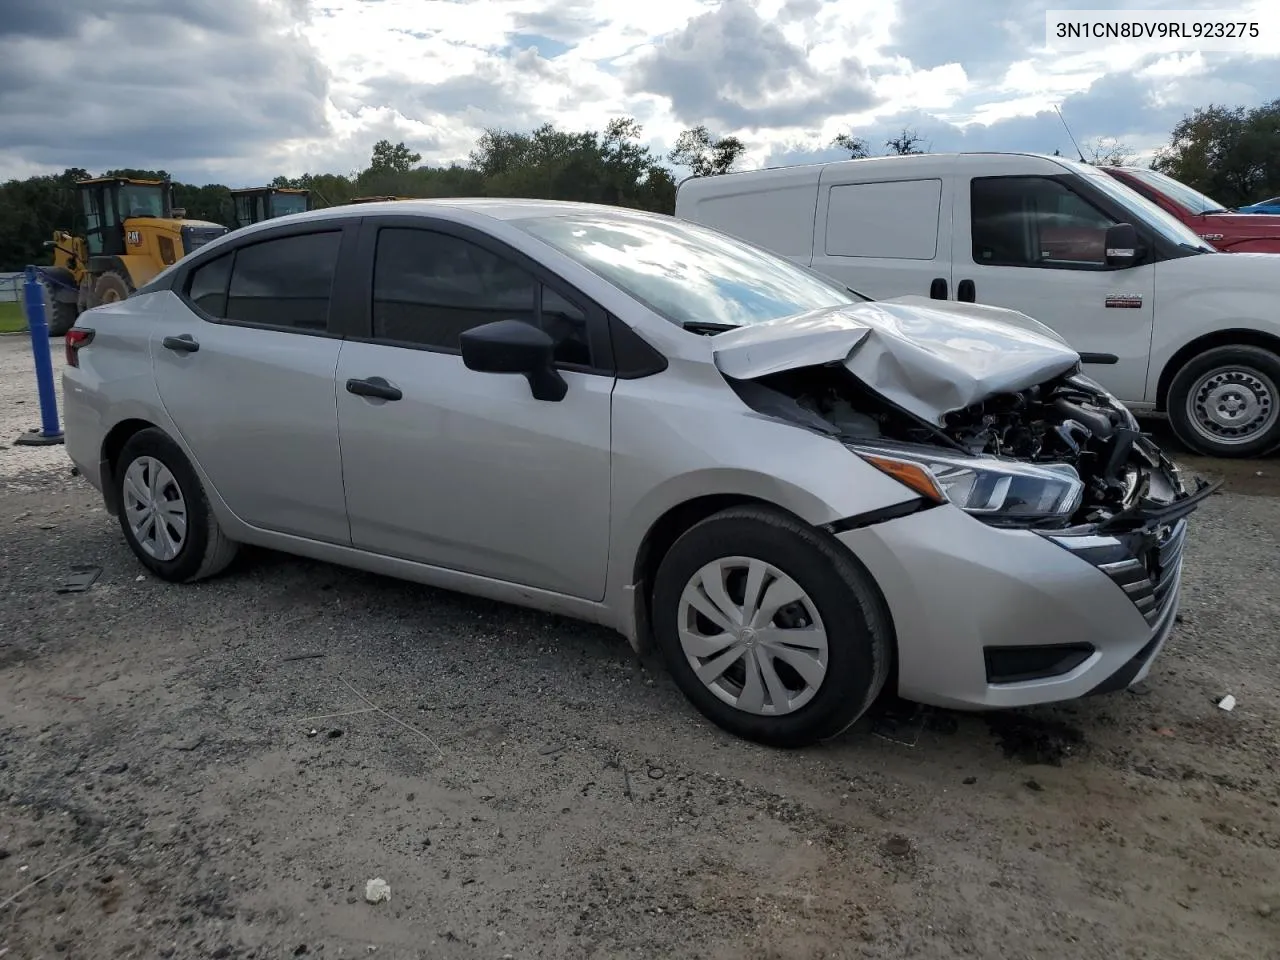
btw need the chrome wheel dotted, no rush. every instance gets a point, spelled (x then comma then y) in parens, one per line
(752, 636)
(155, 508)
(1232, 405)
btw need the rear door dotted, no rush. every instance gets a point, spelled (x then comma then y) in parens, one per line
(883, 233)
(466, 470)
(1035, 243)
(245, 366)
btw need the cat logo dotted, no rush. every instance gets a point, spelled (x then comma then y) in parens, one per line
(134, 237)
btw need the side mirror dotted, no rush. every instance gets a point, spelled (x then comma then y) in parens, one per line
(1121, 245)
(513, 346)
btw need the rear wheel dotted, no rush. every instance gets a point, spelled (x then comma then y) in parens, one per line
(60, 314)
(1226, 402)
(111, 287)
(164, 512)
(774, 633)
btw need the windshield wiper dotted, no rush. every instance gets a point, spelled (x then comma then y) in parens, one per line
(708, 326)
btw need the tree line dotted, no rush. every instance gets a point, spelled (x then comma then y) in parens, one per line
(1230, 154)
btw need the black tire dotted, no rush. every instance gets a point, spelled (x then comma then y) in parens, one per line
(111, 287)
(60, 314)
(853, 613)
(1252, 361)
(206, 550)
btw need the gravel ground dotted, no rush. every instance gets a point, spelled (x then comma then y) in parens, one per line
(217, 770)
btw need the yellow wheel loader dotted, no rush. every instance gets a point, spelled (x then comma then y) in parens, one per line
(255, 204)
(127, 231)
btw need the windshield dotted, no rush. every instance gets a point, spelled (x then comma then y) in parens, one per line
(283, 204)
(691, 275)
(1163, 222)
(1193, 201)
(139, 201)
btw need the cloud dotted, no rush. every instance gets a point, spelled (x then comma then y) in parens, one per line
(730, 68)
(179, 84)
(237, 91)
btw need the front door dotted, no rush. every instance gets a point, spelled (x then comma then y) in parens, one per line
(245, 369)
(466, 470)
(1034, 244)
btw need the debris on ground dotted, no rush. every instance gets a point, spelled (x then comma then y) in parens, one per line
(1227, 703)
(377, 890)
(82, 578)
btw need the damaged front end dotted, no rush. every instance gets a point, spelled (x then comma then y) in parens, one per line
(1062, 456)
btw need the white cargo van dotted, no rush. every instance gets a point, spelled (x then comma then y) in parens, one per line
(1159, 317)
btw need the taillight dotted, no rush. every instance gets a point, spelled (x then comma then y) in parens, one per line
(76, 338)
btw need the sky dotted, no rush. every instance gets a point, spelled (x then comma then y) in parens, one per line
(239, 91)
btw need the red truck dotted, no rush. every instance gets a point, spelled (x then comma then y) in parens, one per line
(1228, 231)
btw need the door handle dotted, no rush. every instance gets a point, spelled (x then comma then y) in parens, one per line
(183, 344)
(938, 289)
(967, 292)
(374, 387)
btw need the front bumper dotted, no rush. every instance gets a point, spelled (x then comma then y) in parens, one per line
(988, 617)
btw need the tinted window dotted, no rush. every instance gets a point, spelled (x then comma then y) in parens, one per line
(1035, 222)
(428, 288)
(284, 282)
(208, 288)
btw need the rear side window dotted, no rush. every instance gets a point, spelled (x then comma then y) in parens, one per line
(208, 289)
(897, 220)
(429, 288)
(283, 283)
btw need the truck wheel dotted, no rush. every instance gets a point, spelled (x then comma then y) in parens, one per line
(60, 314)
(110, 288)
(1226, 402)
(775, 634)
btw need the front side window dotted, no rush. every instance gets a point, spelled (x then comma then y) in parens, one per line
(283, 204)
(691, 275)
(283, 283)
(1035, 222)
(140, 201)
(429, 288)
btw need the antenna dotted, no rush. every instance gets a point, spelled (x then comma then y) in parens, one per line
(1069, 133)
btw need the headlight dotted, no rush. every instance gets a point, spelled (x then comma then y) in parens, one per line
(984, 486)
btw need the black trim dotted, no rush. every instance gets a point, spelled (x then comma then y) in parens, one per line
(105, 262)
(1124, 676)
(361, 266)
(881, 515)
(1099, 358)
(1019, 664)
(633, 356)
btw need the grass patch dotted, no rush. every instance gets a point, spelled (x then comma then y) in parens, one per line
(12, 319)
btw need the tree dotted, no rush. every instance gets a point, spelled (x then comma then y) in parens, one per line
(1107, 152)
(1230, 154)
(393, 159)
(856, 146)
(704, 154)
(905, 143)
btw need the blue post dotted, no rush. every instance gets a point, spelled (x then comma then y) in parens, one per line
(33, 303)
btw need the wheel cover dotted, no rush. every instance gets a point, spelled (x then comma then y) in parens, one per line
(753, 636)
(1232, 405)
(155, 508)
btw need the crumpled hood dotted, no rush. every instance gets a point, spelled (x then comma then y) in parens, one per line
(927, 356)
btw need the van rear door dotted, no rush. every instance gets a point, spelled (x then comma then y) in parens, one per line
(773, 209)
(885, 228)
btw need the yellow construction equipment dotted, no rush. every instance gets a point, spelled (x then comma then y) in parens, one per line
(126, 232)
(255, 204)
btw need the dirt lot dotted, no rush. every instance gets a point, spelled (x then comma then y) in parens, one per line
(217, 770)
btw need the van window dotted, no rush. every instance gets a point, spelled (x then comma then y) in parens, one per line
(1035, 222)
(897, 220)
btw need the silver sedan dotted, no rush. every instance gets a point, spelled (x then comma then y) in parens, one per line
(801, 496)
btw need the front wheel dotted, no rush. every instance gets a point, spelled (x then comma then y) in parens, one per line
(1225, 402)
(774, 633)
(164, 512)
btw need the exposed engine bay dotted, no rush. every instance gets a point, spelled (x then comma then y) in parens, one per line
(1068, 420)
